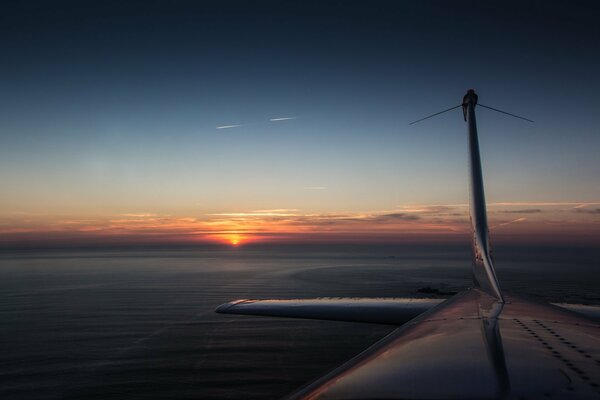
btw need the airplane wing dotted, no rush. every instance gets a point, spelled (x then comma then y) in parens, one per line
(467, 347)
(457, 351)
(395, 311)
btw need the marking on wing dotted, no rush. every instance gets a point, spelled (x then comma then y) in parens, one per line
(552, 340)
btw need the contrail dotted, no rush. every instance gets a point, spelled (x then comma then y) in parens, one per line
(227, 126)
(509, 222)
(281, 119)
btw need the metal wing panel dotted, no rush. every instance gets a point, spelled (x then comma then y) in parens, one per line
(429, 360)
(442, 355)
(394, 311)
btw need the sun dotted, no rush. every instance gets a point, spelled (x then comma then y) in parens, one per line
(231, 239)
(234, 239)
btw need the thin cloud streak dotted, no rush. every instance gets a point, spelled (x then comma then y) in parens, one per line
(314, 187)
(525, 211)
(228, 126)
(576, 204)
(277, 210)
(541, 204)
(509, 222)
(281, 119)
(265, 213)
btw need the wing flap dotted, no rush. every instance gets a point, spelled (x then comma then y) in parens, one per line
(589, 311)
(393, 311)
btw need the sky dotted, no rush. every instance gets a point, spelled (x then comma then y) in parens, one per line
(236, 122)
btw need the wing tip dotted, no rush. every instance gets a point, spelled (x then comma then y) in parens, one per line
(225, 307)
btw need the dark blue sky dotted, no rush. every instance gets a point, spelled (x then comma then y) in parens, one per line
(113, 107)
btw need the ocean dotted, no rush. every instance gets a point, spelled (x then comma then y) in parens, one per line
(139, 324)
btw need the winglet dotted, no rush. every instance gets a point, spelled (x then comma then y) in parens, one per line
(484, 275)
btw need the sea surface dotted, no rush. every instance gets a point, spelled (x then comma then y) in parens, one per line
(139, 324)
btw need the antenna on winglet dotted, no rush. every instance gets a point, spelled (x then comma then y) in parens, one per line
(433, 115)
(504, 112)
(465, 115)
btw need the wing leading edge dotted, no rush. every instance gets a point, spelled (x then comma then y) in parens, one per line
(393, 311)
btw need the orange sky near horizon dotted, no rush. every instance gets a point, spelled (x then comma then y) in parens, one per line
(568, 222)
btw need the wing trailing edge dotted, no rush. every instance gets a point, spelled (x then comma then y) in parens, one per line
(392, 311)
(589, 311)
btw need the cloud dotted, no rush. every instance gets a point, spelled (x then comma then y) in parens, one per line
(524, 211)
(281, 119)
(289, 217)
(443, 206)
(259, 213)
(439, 210)
(397, 217)
(587, 210)
(277, 210)
(509, 204)
(541, 204)
(314, 187)
(228, 126)
(138, 215)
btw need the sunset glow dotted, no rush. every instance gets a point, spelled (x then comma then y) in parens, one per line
(554, 222)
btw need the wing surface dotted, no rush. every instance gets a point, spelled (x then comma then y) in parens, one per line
(457, 351)
(395, 311)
